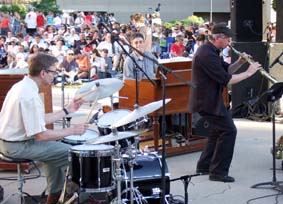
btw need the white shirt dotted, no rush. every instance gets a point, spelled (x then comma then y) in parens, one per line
(22, 114)
(30, 19)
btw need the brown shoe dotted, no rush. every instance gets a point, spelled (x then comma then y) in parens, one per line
(53, 198)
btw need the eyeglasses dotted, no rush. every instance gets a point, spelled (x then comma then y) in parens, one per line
(52, 71)
(70, 53)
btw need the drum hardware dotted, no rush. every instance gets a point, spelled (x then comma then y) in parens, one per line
(94, 118)
(134, 193)
(72, 115)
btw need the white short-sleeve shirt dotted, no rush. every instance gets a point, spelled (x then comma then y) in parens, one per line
(22, 115)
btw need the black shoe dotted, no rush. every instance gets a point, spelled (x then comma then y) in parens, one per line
(225, 179)
(202, 171)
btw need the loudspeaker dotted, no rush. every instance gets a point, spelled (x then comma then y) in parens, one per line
(254, 86)
(246, 20)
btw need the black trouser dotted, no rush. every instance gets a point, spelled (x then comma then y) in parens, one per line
(218, 153)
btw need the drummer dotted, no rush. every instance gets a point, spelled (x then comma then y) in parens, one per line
(148, 66)
(22, 131)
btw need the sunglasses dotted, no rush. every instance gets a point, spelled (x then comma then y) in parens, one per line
(70, 53)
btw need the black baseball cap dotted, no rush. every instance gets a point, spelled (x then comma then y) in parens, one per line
(221, 28)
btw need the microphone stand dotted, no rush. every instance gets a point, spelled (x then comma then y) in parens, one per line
(186, 180)
(63, 94)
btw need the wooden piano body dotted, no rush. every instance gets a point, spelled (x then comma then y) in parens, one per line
(6, 82)
(177, 90)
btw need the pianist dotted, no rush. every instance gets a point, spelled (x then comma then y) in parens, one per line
(149, 67)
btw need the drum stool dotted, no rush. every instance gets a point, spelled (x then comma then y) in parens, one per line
(20, 178)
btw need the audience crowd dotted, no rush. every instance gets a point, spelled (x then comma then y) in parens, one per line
(90, 45)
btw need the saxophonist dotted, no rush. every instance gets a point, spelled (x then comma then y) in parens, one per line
(210, 73)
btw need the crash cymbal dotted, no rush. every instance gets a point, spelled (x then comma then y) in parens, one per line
(112, 137)
(99, 89)
(139, 112)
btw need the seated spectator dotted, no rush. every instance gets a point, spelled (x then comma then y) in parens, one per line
(108, 62)
(69, 65)
(177, 49)
(97, 65)
(34, 49)
(89, 45)
(83, 63)
(19, 62)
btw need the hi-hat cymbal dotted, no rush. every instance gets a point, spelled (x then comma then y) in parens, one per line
(112, 137)
(99, 89)
(139, 112)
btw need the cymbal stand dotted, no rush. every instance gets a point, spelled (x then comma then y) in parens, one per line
(134, 192)
(118, 170)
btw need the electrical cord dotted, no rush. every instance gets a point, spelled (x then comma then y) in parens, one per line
(266, 196)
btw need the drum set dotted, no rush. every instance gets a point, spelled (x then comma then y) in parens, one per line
(105, 162)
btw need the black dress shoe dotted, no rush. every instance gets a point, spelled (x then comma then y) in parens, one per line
(202, 171)
(225, 179)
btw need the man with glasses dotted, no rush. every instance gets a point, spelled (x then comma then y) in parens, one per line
(211, 74)
(69, 65)
(22, 131)
(150, 68)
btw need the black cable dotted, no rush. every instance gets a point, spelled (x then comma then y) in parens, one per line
(266, 196)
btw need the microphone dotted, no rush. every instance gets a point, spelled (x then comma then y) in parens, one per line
(277, 60)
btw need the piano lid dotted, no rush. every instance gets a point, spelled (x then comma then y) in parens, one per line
(174, 59)
(21, 71)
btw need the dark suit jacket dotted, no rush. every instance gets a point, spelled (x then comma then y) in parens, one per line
(210, 75)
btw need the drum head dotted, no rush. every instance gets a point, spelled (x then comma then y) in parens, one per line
(79, 139)
(90, 147)
(109, 118)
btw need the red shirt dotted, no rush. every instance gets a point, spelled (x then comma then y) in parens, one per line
(178, 49)
(40, 21)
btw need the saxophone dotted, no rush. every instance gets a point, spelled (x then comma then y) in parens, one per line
(264, 73)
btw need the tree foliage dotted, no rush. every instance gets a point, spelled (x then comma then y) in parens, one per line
(46, 6)
(274, 4)
(195, 20)
(20, 8)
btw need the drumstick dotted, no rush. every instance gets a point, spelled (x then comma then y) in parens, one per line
(92, 107)
(85, 94)
(93, 89)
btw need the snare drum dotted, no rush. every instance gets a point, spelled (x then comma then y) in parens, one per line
(80, 139)
(91, 167)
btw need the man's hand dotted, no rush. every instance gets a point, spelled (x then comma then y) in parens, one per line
(75, 105)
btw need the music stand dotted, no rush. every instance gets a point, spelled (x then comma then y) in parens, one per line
(271, 95)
